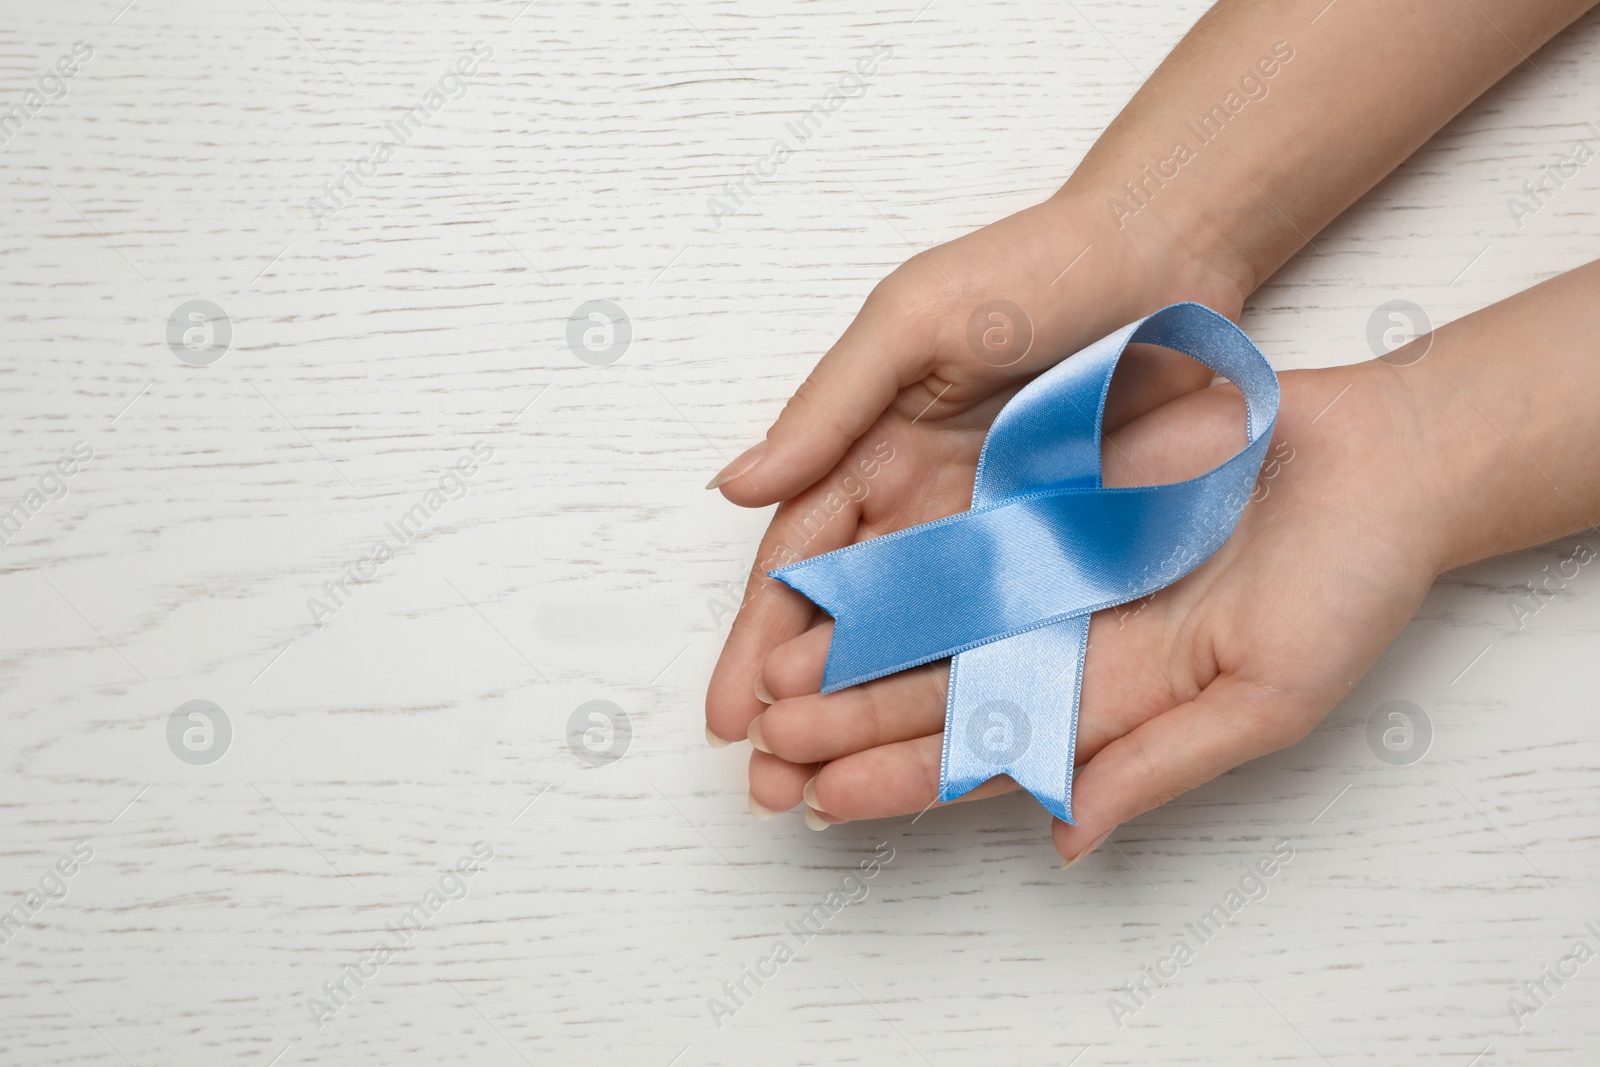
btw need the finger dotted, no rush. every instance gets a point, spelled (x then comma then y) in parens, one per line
(889, 781)
(795, 667)
(882, 741)
(875, 481)
(1119, 692)
(928, 483)
(776, 784)
(885, 349)
(817, 521)
(816, 728)
(1230, 722)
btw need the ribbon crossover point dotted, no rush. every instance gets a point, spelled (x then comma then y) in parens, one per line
(1005, 590)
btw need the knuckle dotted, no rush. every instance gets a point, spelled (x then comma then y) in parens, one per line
(872, 716)
(910, 296)
(1148, 770)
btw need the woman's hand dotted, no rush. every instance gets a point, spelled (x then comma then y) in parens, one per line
(886, 431)
(1240, 658)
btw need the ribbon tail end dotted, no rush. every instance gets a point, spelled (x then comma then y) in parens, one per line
(1057, 802)
(1056, 799)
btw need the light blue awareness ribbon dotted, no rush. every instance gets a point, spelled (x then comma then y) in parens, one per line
(1006, 589)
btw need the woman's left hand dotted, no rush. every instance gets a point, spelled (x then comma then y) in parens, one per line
(1239, 658)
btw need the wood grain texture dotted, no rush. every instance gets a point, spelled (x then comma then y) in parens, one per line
(428, 317)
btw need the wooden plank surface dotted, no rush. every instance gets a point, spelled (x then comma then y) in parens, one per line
(425, 321)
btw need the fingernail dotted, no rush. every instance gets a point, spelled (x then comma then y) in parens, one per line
(754, 733)
(744, 463)
(760, 810)
(815, 821)
(714, 741)
(1092, 846)
(810, 793)
(764, 694)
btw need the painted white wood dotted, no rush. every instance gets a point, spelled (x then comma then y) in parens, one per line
(428, 317)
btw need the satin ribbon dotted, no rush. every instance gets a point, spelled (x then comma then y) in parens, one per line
(1006, 589)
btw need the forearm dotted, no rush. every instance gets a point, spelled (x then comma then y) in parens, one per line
(1270, 118)
(1506, 424)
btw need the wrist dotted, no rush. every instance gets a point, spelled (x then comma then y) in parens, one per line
(1475, 484)
(1456, 460)
(1170, 257)
(1353, 437)
(1414, 488)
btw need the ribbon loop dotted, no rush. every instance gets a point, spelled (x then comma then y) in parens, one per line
(1005, 590)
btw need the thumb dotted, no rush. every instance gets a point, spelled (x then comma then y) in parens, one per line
(885, 349)
(1231, 722)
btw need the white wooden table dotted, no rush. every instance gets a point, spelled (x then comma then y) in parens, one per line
(375, 345)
